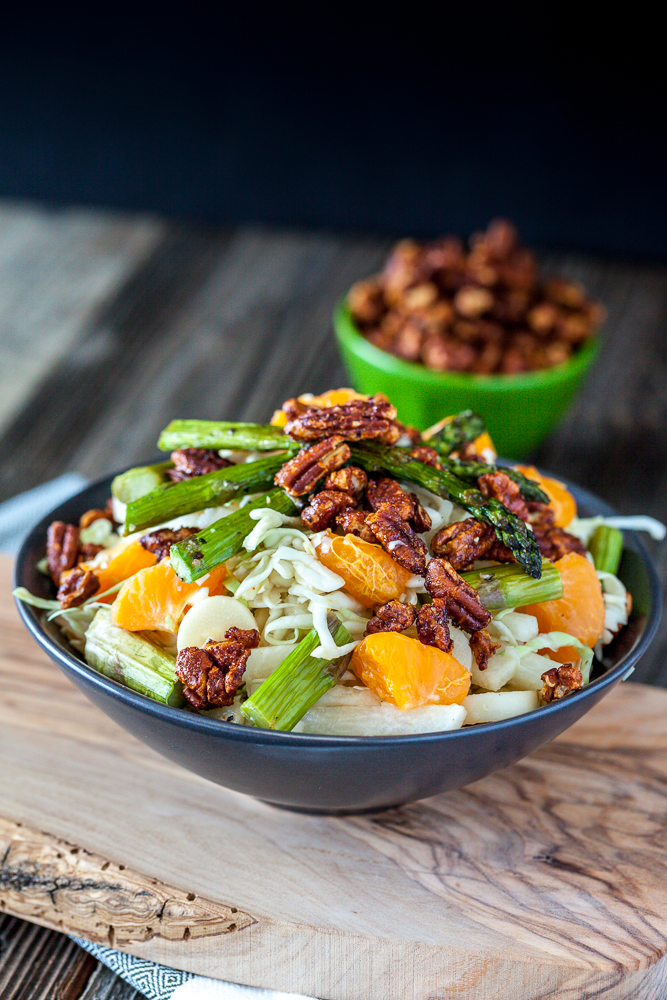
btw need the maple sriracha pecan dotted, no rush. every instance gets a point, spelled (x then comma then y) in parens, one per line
(160, 542)
(463, 542)
(76, 586)
(353, 522)
(403, 544)
(62, 548)
(433, 625)
(211, 676)
(391, 617)
(324, 508)
(359, 419)
(559, 681)
(191, 462)
(301, 474)
(350, 480)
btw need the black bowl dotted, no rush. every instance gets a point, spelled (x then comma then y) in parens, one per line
(338, 774)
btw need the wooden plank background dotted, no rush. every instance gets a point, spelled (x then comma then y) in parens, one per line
(111, 325)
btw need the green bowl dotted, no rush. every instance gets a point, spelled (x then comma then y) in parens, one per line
(519, 410)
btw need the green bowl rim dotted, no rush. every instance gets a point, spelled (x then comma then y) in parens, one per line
(351, 338)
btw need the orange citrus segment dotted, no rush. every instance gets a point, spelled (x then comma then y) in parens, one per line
(561, 499)
(155, 598)
(370, 574)
(409, 674)
(127, 561)
(579, 612)
(484, 442)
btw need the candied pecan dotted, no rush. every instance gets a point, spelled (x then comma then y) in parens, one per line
(385, 491)
(408, 341)
(301, 473)
(408, 433)
(560, 681)
(353, 522)
(473, 301)
(483, 647)
(400, 541)
(62, 548)
(420, 520)
(540, 515)
(499, 552)
(294, 408)
(353, 421)
(429, 456)
(350, 480)
(463, 603)
(212, 675)
(393, 433)
(94, 515)
(463, 542)
(76, 586)
(323, 508)
(391, 617)
(555, 543)
(88, 551)
(433, 625)
(191, 462)
(499, 485)
(366, 302)
(160, 542)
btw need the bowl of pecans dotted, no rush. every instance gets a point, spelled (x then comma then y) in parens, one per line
(444, 327)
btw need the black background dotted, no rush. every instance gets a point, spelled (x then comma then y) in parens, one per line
(391, 121)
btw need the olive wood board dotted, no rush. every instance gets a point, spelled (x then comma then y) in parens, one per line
(547, 879)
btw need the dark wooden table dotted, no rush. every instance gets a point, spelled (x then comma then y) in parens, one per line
(112, 325)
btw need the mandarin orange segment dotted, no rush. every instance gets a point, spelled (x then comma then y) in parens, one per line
(125, 563)
(409, 674)
(561, 499)
(484, 442)
(370, 574)
(580, 611)
(155, 598)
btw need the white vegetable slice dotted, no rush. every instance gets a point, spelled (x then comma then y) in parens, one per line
(383, 720)
(500, 669)
(461, 648)
(497, 705)
(264, 660)
(210, 618)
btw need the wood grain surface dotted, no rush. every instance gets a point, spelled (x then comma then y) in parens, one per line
(547, 879)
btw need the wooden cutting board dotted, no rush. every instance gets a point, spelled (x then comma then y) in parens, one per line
(548, 879)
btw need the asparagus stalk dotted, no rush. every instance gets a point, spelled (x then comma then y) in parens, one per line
(606, 547)
(221, 434)
(134, 483)
(509, 528)
(132, 660)
(300, 680)
(210, 490)
(508, 586)
(452, 434)
(470, 472)
(199, 554)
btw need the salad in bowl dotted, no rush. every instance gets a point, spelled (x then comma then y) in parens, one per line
(335, 572)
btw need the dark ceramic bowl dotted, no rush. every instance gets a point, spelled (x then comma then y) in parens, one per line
(338, 774)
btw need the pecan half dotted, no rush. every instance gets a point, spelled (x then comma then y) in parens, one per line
(353, 421)
(555, 543)
(483, 647)
(160, 542)
(76, 586)
(433, 625)
(191, 462)
(386, 491)
(559, 681)
(540, 515)
(463, 603)
(301, 473)
(463, 542)
(211, 676)
(350, 480)
(391, 617)
(420, 520)
(500, 486)
(403, 545)
(94, 515)
(87, 552)
(62, 548)
(429, 456)
(323, 508)
(353, 522)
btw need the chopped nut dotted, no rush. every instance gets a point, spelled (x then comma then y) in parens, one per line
(560, 681)
(483, 647)
(62, 548)
(160, 542)
(212, 675)
(400, 541)
(429, 456)
(301, 473)
(324, 507)
(391, 617)
(76, 586)
(359, 419)
(462, 602)
(500, 486)
(462, 542)
(350, 480)
(191, 462)
(433, 625)
(94, 515)
(353, 522)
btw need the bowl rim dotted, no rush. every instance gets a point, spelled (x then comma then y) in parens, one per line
(71, 663)
(350, 337)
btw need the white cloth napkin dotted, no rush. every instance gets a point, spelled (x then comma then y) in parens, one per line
(156, 982)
